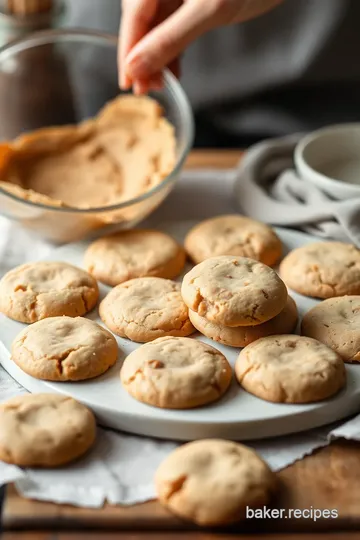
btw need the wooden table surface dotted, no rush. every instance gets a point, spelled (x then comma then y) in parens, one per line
(329, 479)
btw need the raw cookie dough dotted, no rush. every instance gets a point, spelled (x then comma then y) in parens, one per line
(323, 269)
(233, 235)
(234, 291)
(136, 253)
(44, 430)
(176, 373)
(118, 155)
(34, 291)
(144, 309)
(240, 336)
(336, 322)
(290, 369)
(64, 349)
(211, 482)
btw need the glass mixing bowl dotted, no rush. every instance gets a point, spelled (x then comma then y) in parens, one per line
(59, 77)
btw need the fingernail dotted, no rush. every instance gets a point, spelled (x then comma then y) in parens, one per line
(125, 84)
(137, 65)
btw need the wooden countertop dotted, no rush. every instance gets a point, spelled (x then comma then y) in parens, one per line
(329, 479)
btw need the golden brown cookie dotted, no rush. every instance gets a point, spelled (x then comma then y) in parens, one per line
(176, 373)
(136, 253)
(35, 291)
(290, 369)
(44, 430)
(336, 322)
(233, 235)
(144, 309)
(64, 349)
(212, 482)
(323, 269)
(240, 336)
(234, 291)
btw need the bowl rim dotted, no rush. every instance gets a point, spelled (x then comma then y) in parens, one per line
(314, 175)
(44, 37)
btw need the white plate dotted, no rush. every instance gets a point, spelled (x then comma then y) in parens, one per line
(238, 415)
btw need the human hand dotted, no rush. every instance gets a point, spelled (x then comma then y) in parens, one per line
(153, 33)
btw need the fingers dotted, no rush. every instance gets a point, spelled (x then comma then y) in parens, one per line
(167, 40)
(136, 20)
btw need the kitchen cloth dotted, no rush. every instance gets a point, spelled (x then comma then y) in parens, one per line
(120, 468)
(268, 188)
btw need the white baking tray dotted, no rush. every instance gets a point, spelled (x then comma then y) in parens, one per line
(238, 415)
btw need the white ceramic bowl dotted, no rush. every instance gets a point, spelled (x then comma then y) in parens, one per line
(330, 159)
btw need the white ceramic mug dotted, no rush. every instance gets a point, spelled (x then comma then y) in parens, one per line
(330, 159)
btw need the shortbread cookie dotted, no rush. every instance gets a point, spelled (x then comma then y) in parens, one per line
(212, 482)
(240, 336)
(336, 322)
(290, 369)
(144, 309)
(234, 291)
(176, 373)
(136, 253)
(233, 235)
(64, 349)
(323, 269)
(34, 291)
(44, 430)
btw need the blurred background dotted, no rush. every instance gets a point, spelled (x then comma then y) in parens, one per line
(294, 69)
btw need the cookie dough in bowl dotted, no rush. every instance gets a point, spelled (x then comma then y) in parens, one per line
(120, 154)
(80, 157)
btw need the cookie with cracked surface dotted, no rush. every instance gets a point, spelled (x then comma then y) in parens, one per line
(44, 430)
(323, 269)
(290, 369)
(144, 309)
(176, 373)
(35, 291)
(212, 481)
(64, 349)
(234, 291)
(240, 336)
(136, 253)
(233, 235)
(336, 322)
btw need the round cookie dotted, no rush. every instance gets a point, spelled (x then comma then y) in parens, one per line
(44, 430)
(336, 323)
(234, 291)
(212, 481)
(64, 349)
(35, 291)
(233, 235)
(240, 336)
(144, 309)
(290, 369)
(176, 373)
(135, 253)
(323, 269)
